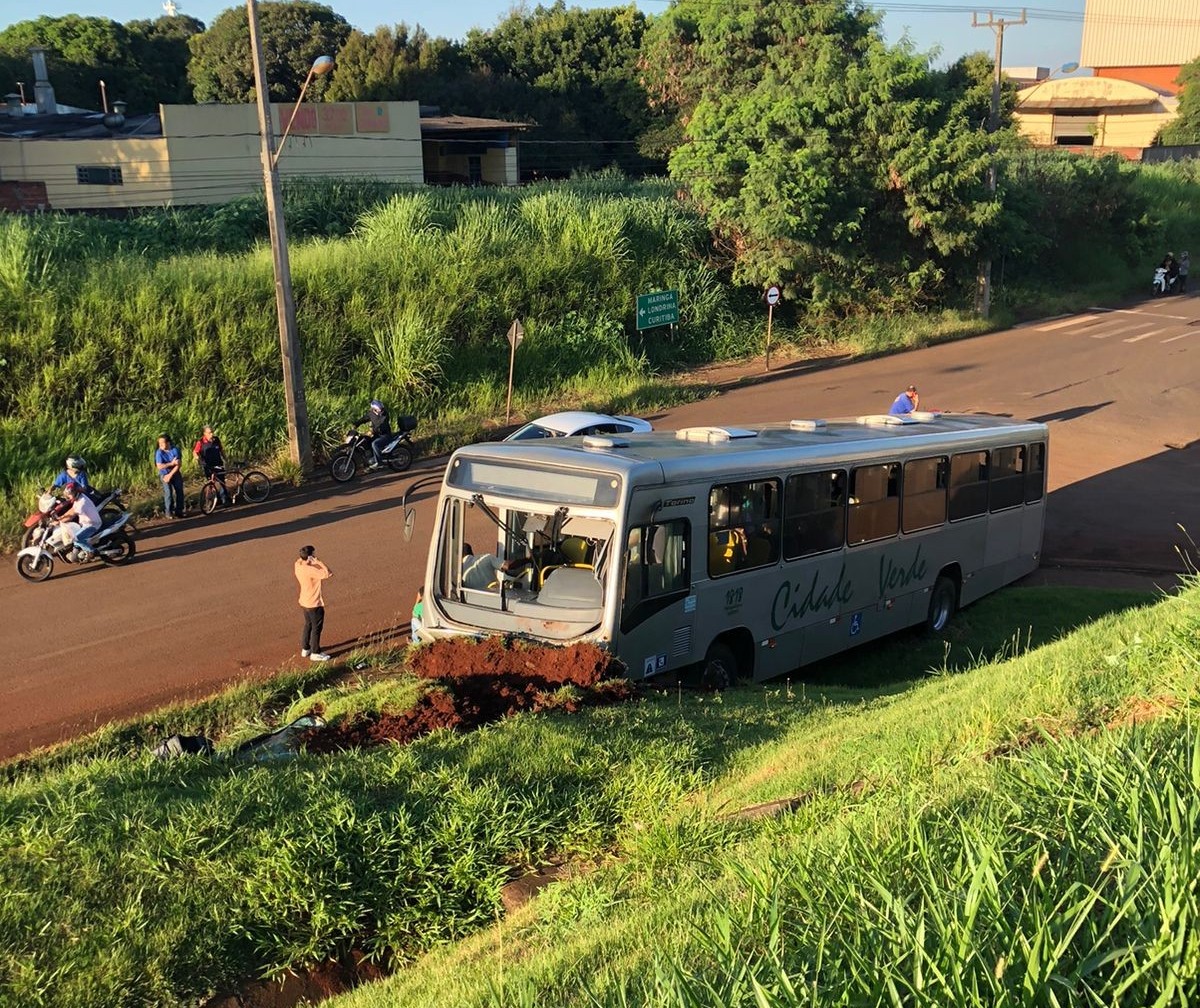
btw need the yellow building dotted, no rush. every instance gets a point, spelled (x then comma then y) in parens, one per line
(201, 154)
(1134, 50)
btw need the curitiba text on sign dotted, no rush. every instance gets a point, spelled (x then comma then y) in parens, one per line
(657, 309)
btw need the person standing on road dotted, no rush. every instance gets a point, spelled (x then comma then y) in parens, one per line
(310, 572)
(211, 455)
(168, 461)
(906, 402)
(1185, 264)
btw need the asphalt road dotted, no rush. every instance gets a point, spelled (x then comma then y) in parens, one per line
(212, 600)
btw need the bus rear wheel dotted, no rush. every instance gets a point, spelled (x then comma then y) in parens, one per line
(943, 601)
(720, 667)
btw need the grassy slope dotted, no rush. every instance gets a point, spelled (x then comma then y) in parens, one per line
(920, 861)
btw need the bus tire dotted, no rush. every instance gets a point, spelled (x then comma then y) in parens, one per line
(720, 667)
(943, 601)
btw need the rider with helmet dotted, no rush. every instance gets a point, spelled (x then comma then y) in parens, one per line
(75, 471)
(381, 430)
(83, 515)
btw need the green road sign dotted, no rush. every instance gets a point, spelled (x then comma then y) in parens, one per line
(659, 308)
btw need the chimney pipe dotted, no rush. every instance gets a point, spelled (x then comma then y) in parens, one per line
(43, 91)
(13, 105)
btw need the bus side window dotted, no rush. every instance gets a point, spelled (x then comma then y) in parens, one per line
(968, 485)
(874, 503)
(743, 526)
(814, 509)
(925, 483)
(1008, 478)
(1035, 474)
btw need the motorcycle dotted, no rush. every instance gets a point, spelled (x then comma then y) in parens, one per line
(355, 451)
(112, 544)
(110, 506)
(1163, 284)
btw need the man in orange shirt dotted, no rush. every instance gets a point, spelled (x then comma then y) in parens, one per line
(310, 572)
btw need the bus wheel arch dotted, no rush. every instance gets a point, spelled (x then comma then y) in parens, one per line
(943, 598)
(729, 657)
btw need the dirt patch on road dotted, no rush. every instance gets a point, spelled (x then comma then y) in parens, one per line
(475, 683)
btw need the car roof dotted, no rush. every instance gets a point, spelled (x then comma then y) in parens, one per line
(571, 420)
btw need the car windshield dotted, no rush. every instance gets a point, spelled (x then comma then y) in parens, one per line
(534, 430)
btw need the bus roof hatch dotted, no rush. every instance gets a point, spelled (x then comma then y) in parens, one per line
(713, 435)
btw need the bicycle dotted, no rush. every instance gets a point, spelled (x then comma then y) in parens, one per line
(238, 482)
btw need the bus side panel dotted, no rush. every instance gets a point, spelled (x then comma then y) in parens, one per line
(1004, 532)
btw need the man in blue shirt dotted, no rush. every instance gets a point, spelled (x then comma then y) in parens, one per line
(906, 402)
(75, 472)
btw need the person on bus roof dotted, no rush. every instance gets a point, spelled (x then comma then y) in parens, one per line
(906, 402)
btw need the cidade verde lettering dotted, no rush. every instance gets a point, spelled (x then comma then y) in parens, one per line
(792, 600)
(892, 576)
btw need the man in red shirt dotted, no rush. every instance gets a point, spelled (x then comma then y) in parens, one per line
(211, 456)
(310, 572)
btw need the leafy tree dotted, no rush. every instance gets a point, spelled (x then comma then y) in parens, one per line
(824, 159)
(396, 64)
(143, 63)
(1185, 127)
(294, 35)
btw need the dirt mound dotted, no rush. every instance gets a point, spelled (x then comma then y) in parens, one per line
(479, 682)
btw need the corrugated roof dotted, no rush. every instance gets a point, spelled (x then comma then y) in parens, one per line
(433, 125)
(76, 126)
(1131, 33)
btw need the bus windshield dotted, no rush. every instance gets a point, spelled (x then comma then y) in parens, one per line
(546, 568)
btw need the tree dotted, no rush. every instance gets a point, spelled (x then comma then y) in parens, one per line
(396, 64)
(825, 159)
(294, 35)
(1185, 127)
(143, 63)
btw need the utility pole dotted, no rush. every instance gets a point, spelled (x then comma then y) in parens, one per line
(285, 304)
(983, 291)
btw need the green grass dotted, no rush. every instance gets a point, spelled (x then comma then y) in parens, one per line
(130, 882)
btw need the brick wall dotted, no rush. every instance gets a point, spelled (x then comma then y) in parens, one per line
(22, 197)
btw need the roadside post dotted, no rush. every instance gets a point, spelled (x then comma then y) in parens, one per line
(516, 333)
(772, 299)
(660, 308)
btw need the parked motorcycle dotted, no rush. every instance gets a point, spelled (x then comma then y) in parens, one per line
(110, 505)
(1163, 284)
(112, 544)
(355, 452)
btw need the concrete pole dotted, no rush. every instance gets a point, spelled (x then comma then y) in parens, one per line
(299, 445)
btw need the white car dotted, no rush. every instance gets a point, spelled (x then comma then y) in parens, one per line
(578, 422)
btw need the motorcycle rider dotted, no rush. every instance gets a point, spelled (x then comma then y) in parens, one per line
(75, 471)
(1172, 268)
(211, 455)
(381, 430)
(81, 521)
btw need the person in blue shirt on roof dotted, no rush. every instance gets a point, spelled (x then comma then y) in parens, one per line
(906, 402)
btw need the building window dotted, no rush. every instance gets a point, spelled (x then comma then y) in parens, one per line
(1075, 129)
(98, 175)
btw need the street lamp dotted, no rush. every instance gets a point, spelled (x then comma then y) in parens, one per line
(321, 65)
(299, 444)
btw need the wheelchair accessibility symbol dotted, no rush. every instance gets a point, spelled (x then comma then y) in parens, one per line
(855, 623)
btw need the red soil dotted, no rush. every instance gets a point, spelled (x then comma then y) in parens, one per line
(481, 682)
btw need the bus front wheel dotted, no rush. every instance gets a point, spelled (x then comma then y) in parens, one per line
(943, 600)
(720, 667)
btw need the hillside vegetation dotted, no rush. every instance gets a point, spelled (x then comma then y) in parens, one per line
(941, 801)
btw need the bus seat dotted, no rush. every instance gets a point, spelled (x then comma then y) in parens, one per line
(758, 552)
(546, 571)
(724, 553)
(576, 550)
(572, 588)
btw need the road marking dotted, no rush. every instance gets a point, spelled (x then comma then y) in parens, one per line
(1145, 335)
(1138, 311)
(1116, 327)
(1068, 322)
(1172, 339)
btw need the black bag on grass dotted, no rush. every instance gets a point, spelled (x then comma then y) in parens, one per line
(183, 745)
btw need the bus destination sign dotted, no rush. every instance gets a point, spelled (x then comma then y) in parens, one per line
(657, 309)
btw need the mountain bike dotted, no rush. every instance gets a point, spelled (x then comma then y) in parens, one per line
(239, 482)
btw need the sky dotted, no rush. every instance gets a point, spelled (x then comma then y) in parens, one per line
(1050, 39)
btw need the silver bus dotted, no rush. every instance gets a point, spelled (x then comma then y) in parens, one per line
(738, 552)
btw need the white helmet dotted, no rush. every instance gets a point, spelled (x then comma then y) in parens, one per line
(76, 462)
